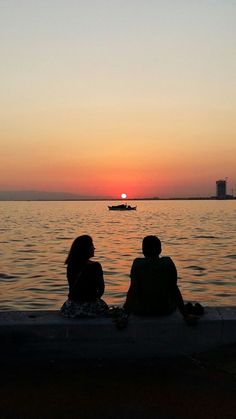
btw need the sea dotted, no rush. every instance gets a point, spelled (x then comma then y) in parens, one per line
(199, 236)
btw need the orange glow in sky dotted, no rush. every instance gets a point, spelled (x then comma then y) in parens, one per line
(97, 100)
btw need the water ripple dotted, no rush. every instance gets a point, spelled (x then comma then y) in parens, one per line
(230, 257)
(206, 237)
(195, 267)
(7, 277)
(63, 238)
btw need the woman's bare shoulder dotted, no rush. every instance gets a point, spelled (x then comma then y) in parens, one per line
(94, 264)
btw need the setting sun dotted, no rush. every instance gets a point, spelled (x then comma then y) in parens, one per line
(123, 195)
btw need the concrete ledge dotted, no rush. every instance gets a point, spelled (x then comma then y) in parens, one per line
(45, 334)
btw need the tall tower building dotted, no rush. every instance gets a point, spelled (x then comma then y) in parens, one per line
(221, 189)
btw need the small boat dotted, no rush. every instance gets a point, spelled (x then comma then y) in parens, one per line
(121, 207)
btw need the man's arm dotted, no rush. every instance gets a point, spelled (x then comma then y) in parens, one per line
(130, 297)
(175, 289)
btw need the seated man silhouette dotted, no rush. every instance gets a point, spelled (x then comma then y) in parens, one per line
(153, 288)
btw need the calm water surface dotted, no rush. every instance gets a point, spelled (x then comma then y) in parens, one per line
(200, 236)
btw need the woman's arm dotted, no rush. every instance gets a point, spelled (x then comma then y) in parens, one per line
(99, 280)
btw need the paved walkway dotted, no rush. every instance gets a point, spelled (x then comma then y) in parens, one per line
(202, 386)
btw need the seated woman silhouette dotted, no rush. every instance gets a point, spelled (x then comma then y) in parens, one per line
(153, 289)
(85, 279)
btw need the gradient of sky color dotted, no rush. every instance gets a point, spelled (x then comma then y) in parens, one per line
(100, 97)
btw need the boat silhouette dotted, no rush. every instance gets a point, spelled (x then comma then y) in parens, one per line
(121, 207)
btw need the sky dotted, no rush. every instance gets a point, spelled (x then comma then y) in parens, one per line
(103, 97)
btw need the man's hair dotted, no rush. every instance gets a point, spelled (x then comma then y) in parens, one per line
(151, 246)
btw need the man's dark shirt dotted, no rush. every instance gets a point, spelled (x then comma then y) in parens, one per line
(153, 285)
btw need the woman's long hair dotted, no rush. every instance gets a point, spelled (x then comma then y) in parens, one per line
(80, 250)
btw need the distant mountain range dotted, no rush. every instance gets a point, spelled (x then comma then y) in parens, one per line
(42, 196)
(67, 196)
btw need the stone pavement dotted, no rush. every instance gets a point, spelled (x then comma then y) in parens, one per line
(199, 386)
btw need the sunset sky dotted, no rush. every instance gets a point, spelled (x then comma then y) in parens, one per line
(100, 97)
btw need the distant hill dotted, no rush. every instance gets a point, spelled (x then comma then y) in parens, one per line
(41, 196)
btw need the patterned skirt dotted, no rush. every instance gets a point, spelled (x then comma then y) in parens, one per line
(71, 309)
